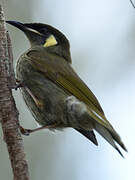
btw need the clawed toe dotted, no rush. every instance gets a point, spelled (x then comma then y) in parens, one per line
(25, 132)
(17, 85)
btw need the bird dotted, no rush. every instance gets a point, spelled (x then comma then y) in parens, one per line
(53, 91)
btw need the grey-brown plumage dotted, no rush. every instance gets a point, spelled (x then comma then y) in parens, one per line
(54, 93)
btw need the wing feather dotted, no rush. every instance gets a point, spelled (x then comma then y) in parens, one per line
(61, 73)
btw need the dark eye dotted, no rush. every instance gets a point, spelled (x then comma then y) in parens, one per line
(44, 31)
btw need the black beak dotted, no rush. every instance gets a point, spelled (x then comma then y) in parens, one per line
(33, 35)
(23, 27)
(19, 25)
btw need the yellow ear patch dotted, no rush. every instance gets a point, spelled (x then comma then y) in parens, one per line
(50, 41)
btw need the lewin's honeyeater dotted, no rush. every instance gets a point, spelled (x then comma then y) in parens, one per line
(52, 90)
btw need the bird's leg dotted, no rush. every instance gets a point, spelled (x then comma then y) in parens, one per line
(18, 85)
(27, 132)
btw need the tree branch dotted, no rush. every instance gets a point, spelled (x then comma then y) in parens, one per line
(8, 111)
(132, 3)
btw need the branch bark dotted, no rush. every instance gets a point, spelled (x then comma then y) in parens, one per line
(8, 111)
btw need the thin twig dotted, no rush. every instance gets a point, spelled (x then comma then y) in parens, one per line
(8, 111)
(132, 3)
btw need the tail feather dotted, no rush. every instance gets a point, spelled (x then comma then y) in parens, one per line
(111, 137)
(88, 134)
(117, 138)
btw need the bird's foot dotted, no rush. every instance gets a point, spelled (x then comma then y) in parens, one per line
(24, 131)
(27, 132)
(18, 84)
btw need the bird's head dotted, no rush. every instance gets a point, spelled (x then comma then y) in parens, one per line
(46, 36)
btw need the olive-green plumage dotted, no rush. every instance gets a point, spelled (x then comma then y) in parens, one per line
(49, 80)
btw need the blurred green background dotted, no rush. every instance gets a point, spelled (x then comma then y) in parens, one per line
(102, 38)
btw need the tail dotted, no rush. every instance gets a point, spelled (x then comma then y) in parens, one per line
(111, 136)
(88, 134)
